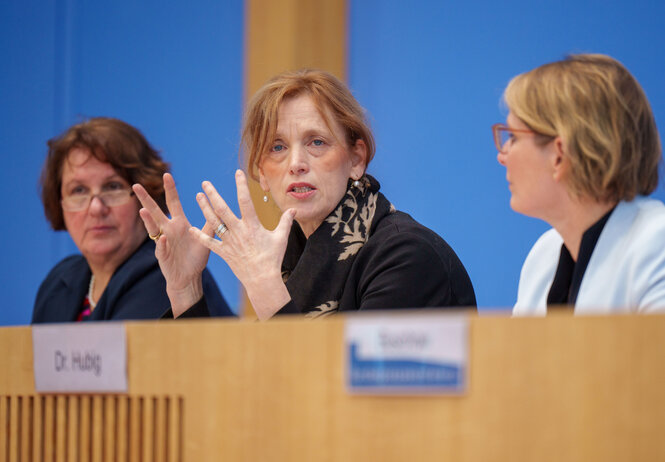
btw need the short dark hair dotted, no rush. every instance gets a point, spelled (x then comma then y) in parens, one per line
(108, 140)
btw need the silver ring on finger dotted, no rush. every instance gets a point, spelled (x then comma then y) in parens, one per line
(221, 229)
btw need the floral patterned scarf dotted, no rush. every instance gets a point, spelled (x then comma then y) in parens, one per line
(315, 269)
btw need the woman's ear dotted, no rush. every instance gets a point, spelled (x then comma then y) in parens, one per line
(560, 160)
(262, 181)
(358, 153)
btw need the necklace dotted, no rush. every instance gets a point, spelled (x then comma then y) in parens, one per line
(93, 303)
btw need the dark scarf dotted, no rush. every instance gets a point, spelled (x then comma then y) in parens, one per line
(315, 269)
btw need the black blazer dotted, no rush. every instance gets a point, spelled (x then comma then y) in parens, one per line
(137, 290)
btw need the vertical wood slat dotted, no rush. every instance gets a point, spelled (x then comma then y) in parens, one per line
(60, 428)
(96, 427)
(4, 428)
(174, 429)
(109, 426)
(135, 429)
(13, 428)
(26, 427)
(122, 429)
(85, 433)
(148, 430)
(49, 421)
(73, 429)
(160, 429)
(37, 429)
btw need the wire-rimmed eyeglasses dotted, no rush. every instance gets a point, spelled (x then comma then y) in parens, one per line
(111, 198)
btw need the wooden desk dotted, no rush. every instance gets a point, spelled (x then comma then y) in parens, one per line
(557, 388)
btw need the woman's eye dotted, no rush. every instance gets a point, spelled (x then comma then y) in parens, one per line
(113, 186)
(78, 191)
(278, 148)
(318, 143)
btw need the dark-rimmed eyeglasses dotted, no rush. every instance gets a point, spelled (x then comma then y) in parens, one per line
(81, 201)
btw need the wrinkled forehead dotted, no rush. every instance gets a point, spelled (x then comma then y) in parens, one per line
(307, 109)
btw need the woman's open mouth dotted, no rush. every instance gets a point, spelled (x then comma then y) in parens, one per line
(300, 190)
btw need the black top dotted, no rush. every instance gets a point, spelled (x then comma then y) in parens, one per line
(402, 265)
(137, 290)
(569, 274)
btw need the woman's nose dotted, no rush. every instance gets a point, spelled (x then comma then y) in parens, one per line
(298, 161)
(501, 158)
(97, 206)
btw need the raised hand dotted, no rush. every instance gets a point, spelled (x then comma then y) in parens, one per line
(181, 257)
(253, 253)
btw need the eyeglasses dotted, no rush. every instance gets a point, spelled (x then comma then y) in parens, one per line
(80, 201)
(503, 133)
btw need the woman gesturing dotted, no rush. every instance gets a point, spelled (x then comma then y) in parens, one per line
(309, 146)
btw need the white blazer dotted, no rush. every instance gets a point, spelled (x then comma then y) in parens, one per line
(626, 273)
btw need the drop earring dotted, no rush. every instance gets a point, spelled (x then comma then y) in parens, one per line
(265, 197)
(356, 183)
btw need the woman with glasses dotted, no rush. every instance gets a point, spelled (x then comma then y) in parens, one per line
(85, 186)
(582, 152)
(308, 145)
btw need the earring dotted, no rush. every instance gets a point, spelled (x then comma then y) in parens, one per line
(265, 197)
(356, 183)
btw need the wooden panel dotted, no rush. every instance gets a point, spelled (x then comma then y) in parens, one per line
(289, 35)
(84, 428)
(559, 388)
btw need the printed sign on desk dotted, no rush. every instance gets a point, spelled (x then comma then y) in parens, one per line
(407, 354)
(88, 357)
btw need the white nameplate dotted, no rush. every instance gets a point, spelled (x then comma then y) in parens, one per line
(86, 357)
(407, 354)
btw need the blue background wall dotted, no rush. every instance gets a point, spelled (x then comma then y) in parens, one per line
(172, 69)
(430, 74)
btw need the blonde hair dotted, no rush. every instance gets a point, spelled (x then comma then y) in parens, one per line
(603, 117)
(327, 93)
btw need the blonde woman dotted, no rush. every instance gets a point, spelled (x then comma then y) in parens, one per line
(582, 152)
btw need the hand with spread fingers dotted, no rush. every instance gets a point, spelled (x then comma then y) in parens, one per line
(253, 253)
(181, 257)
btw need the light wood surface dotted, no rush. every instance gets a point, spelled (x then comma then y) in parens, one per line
(559, 388)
